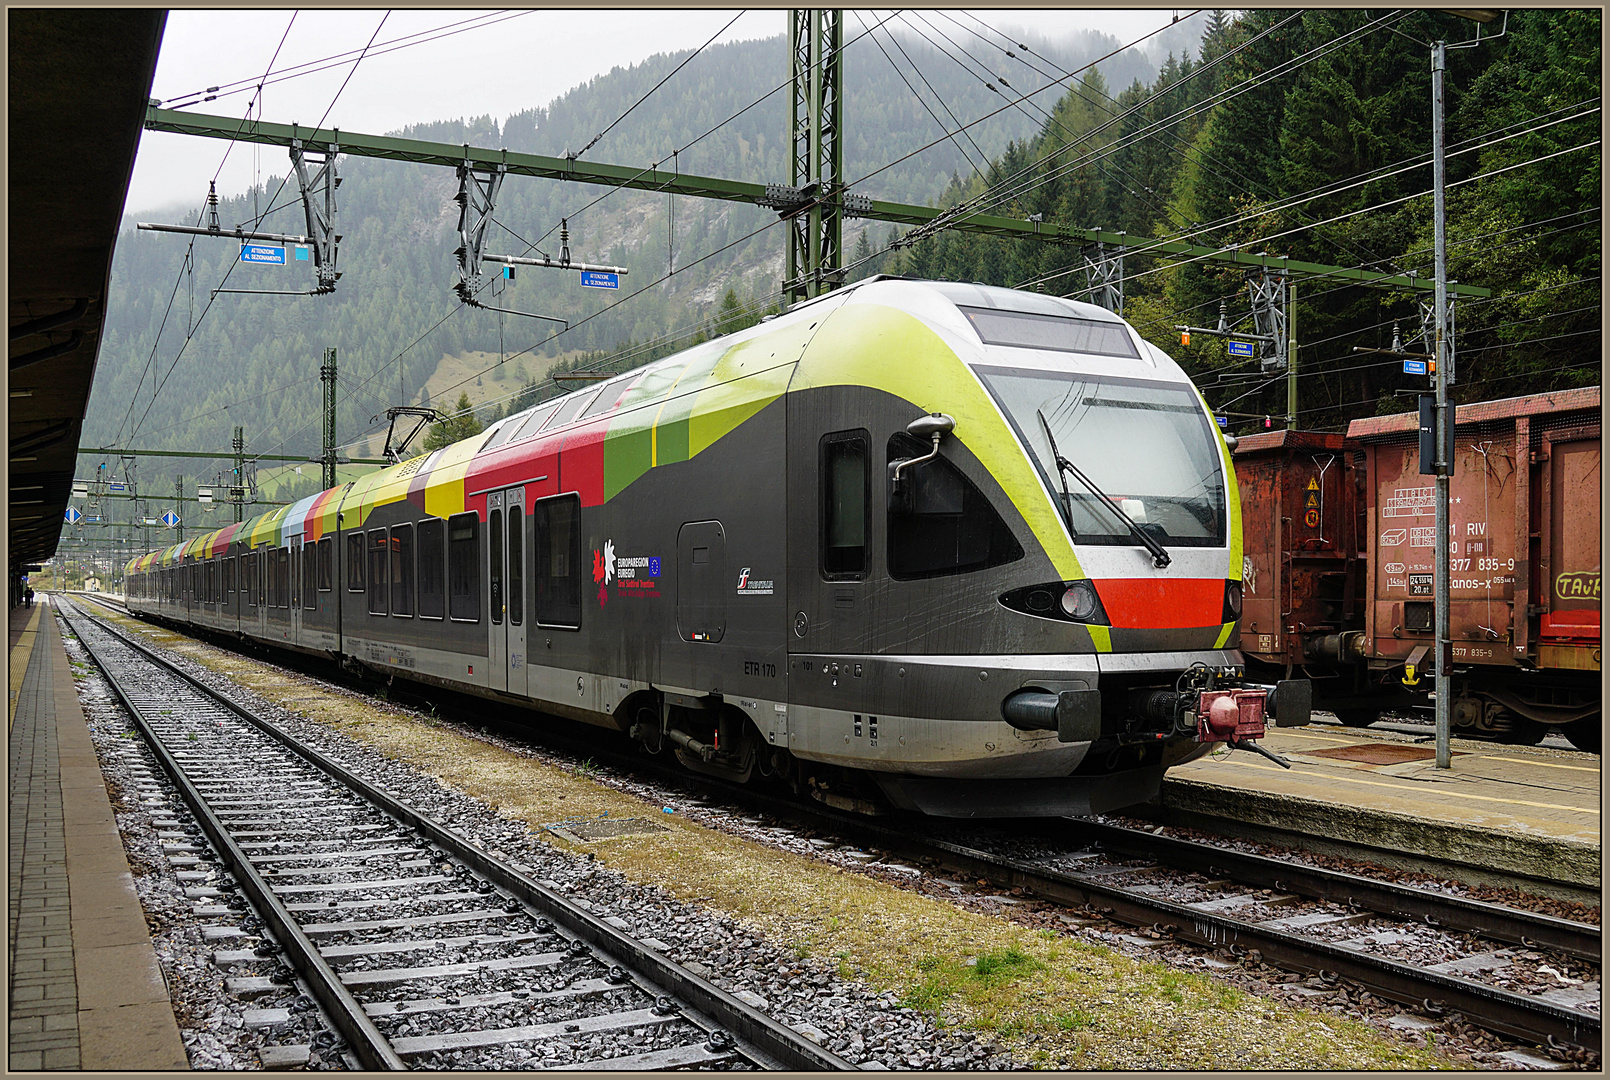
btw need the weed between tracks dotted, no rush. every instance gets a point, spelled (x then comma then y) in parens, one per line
(1057, 1001)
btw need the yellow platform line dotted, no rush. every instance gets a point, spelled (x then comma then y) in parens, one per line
(1462, 795)
(1540, 764)
(21, 652)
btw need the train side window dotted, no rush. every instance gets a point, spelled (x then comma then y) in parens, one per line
(378, 557)
(326, 564)
(608, 395)
(432, 557)
(248, 581)
(494, 566)
(355, 562)
(463, 568)
(846, 502)
(402, 570)
(282, 578)
(310, 575)
(569, 407)
(229, 580)
(516, 570)
(534, 424)
(939, 522)
(557, 554)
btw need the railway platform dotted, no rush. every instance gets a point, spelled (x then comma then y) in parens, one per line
(84, 987)
(1499, 812)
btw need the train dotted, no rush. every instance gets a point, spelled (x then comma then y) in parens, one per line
(925, 546)
(1338, 541)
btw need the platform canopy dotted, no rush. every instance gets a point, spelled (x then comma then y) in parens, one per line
(79, 81)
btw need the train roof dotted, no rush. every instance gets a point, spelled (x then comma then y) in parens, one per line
(694, 377)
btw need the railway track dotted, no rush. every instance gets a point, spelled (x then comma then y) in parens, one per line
(1341, 929)
(421, 949)
(1337, 927)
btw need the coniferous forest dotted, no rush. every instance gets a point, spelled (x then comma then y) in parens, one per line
(1305, 134)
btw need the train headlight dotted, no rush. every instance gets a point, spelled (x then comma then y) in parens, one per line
(1080, 602)
(1060, 601)
(1232, 601)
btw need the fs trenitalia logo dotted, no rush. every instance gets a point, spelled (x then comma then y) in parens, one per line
(748, 586)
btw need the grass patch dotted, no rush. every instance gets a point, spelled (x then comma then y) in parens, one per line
(973, 980)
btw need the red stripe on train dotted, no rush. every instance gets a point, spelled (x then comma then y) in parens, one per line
(1162, 603)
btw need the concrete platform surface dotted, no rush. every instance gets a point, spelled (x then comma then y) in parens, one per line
(1530, 811)
(85, 988)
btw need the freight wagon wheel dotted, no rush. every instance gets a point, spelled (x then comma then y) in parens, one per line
(1358, 717)
(1586, 733)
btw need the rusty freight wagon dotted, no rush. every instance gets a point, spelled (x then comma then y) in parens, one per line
(1340, 535)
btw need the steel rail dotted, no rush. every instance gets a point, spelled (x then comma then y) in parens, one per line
(371, 1047)
(1511, 925)
(765, 1041)
(1505, 1011)
(1514, 1014)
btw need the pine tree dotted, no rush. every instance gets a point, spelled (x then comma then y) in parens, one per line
(862, 259)
(458, 425)
(731, 315)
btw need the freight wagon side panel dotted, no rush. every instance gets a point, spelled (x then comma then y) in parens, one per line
(1298, 541)
(1569, 634)
(1481, 549)
(1524, 534)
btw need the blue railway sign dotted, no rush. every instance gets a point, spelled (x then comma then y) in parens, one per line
(1241, 348)
(170, 519)
(262, 253)
(73, 515)
(116, 486)
(595, 279)
(1414, 367)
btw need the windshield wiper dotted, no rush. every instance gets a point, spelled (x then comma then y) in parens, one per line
(1160, 557)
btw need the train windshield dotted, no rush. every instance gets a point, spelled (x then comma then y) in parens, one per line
(1147, 445)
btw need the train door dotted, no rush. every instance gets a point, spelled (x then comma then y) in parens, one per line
(702, 581)
(834, 527)
(294, 588)
(506, 562)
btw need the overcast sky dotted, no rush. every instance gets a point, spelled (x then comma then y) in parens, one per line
(488, 62)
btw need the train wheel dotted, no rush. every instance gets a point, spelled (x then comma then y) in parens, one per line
(1586, 733)
(1358, 717)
